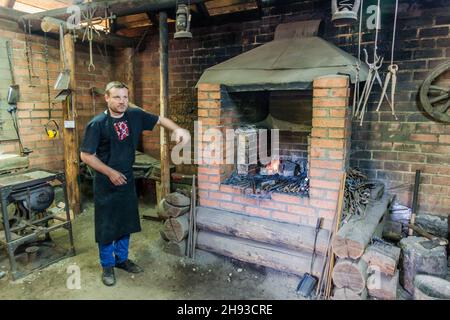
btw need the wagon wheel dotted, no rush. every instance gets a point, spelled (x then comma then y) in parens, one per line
(436, 98)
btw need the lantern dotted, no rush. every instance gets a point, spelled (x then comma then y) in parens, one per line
(345, 12)
(183, 22)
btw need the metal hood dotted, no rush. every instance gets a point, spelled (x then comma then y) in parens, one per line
(290, 62)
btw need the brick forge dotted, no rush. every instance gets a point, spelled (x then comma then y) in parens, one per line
(329, 157)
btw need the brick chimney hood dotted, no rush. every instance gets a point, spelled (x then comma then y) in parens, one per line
(290, 62)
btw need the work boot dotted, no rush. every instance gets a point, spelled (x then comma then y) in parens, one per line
(129, 266)
(108, 277)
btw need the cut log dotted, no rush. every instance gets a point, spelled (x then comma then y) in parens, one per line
(352, 239)
(435, 225)
(284, 260)
(383, 257)
(178, 200)
(348, 294)
(431, 288)
(176, 229)
(287, 235)
(175, 248)
(416, 259)
(383, 287)
(173, 211)
(350, 274)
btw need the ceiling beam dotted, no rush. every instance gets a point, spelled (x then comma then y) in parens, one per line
(47, 4)
(52, 25)
(201, 7)
(118, 7)
(11, 14)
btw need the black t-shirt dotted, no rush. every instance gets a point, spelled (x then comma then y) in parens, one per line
(98, 134)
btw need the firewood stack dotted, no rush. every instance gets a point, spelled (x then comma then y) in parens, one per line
(172, 210)
(366, 265)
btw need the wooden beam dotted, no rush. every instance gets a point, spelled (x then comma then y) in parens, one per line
(285, 235)
(164, 100)
(118, 7)
(153, 19)
(11, 14)
(286, 260)
(71, 162)
(46, 4)
(129, 72)
(50, 24)
(202, 9)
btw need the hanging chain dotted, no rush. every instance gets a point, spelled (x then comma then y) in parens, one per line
(8, 51)
(28, 52)
(48, 75)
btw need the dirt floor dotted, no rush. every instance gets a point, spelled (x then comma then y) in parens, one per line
(207, 277)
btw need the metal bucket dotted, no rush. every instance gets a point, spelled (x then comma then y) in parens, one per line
(13, 94)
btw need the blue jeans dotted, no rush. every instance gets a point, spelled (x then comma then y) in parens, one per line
(114, 252)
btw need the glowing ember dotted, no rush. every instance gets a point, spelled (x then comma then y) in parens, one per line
(273, 167)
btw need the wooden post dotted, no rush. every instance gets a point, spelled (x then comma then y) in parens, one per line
(128, 54)
(164, 100)
(71, 162)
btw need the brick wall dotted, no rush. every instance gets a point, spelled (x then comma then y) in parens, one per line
(384, 148)
(33, 104)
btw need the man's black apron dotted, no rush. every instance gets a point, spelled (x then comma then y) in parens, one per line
(116, 207)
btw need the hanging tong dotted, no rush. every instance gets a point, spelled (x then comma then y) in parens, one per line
(391, 75)
(371, 77)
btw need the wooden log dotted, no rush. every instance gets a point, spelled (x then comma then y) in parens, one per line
(431, 288)
(350, 274)
(416, 259)
(348, 294)
(118, 7)
(11, 14)
(384, 257)
(51, 25)
(172, 211)
(129, 72)
(71, 156)
(176, 229)
(383, 287)
(295, 237)
(175, 248)
(164, 101)
(352, 239)
(178, 200)
(277, 258)
(435, 225)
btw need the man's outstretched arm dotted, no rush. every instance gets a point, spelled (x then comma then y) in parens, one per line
(181, 135)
